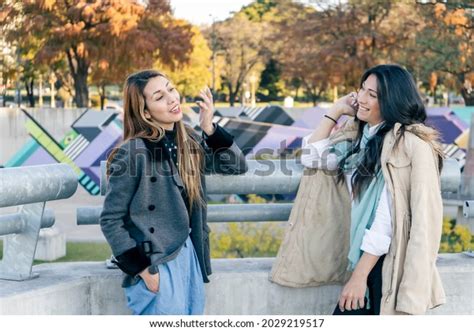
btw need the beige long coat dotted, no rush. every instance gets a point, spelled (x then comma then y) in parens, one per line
(314, 250)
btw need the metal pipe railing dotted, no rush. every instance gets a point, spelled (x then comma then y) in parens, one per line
(29, 188)
(263, 177)
(25, 185)
(283, 176)
(271, 212)
(14, 223)
(468, 209)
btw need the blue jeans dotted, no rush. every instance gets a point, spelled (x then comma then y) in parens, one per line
(181, 288)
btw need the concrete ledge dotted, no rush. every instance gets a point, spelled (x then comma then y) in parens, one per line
(238, 286)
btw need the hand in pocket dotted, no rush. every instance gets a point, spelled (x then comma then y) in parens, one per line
(152, 281)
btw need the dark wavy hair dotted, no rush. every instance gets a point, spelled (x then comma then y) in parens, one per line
(399, 101)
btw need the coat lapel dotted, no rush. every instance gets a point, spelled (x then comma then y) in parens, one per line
(175, 174)
(163, 162)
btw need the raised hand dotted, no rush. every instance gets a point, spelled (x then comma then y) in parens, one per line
(206, 112)
(347, 105)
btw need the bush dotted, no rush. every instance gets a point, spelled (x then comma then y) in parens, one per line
(455, 238)
(241, 240)
(247, 239)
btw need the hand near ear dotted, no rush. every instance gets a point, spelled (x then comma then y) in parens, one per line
(206, 112)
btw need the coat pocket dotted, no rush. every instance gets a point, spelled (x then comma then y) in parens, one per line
(406, 226)
(207, 248)
(399, 162)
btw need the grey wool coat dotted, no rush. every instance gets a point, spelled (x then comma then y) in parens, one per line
(144, 218)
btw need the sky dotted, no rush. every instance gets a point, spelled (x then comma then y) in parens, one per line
(203, 11)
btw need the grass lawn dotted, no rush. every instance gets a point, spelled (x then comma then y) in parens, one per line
(76, 251)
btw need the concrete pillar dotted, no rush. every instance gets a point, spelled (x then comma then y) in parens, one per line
(52, 80)
(467, 182)
(51, 245)
(40, 91)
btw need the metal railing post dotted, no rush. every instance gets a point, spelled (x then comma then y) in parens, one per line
(29, 188)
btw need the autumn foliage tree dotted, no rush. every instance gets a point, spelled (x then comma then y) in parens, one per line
(108, 38)
(445, 45)
(192, 76)
(241, 44)
(338, 41)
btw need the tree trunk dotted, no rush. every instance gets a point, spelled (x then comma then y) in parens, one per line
(314, 96)
(102, 96)
(232, 95)
(29, 91)
(81, 90)
(232, 98)
(468, 97)
(79, 67)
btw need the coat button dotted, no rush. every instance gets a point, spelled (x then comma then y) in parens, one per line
(152, 230)
(153, 179)
(151, 207)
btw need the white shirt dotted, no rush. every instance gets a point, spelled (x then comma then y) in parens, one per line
(377, 239)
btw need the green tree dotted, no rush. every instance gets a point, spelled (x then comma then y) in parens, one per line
(261, 10)
(269, 80)
(29, 69)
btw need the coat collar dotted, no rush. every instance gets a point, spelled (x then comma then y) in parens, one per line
(396, 129)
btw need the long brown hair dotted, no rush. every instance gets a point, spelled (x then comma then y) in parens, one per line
(136, 125)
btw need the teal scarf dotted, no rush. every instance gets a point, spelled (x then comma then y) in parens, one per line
(364, 207)
(362, 217)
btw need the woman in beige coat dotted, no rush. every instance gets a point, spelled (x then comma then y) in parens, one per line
(369, 211)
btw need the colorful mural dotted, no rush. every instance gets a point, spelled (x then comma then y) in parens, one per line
(91, 136)
(260, 129)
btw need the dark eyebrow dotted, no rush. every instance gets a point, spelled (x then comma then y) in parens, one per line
(363, 85)
(158, 91)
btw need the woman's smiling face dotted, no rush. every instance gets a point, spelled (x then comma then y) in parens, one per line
(162, 102)
(367, 98)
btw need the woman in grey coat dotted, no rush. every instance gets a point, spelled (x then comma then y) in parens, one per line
(154, 214)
